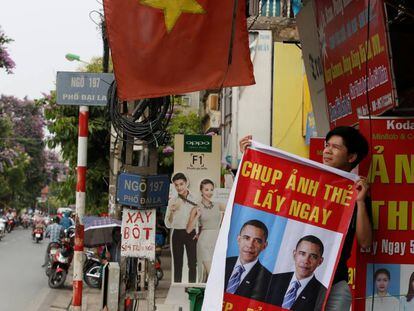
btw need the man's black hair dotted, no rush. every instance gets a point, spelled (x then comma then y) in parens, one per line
(57, 220)
(354, 141)
(179, 176)
(382, 271)
(312, 239)
(258, 224)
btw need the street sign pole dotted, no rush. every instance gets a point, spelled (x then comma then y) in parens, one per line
(82, 89)
(80, 208)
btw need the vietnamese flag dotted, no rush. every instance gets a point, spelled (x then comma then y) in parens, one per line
(164, 47)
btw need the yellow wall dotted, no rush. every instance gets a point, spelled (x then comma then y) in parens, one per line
(288, 112)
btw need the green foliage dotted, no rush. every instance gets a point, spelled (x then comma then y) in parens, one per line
(62, 123)
(96, 65)
(182, 122)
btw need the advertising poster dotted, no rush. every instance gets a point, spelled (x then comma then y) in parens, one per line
(282, 233)
(195, 208)
(385, 273)
(353, 59)
(138, 233)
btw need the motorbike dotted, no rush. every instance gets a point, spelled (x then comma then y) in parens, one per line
(160, 237)
(53, 248)
(25, 223)
(37, 233)
(92, 270)
(10, 225)
(59, 264)
(2, 227)
(157, 264)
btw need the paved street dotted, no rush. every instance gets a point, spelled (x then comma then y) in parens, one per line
(23, 283)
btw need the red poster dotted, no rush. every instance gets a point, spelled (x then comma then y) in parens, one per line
(346, 47)
(316, 148)
(385, 273)
(289, 218)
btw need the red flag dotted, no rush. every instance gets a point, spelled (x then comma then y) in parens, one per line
(163, 47)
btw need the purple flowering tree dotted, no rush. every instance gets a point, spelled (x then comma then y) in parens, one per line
(22, 154)
(5, 61)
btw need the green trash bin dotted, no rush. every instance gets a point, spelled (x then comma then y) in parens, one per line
(196, 297)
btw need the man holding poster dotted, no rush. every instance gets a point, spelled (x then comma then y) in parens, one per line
(344, 149)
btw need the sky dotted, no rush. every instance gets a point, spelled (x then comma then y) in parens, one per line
(43, 32)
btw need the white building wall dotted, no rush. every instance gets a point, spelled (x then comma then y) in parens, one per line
(251, 106)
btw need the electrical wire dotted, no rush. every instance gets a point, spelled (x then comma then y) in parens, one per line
(147, 122)
(370, 128)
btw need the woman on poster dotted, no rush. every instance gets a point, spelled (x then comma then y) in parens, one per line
(408, 300)
(382, 301)
(208, 215)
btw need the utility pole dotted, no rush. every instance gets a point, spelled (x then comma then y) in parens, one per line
(80, 208)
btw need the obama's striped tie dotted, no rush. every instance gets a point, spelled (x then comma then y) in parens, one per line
(290, 296)
(234, 281)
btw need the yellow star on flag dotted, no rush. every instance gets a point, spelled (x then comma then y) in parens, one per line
(174, 8)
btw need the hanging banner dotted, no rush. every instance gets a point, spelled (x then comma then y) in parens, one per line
(195, 207)
(346, 48)
(283, 209)
(138, 233)
(385, 273)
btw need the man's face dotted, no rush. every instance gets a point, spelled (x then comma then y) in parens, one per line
(307, 258)
(181, 186)
(251, 241)
(335, 154)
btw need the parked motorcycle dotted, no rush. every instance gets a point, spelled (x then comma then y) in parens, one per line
(157, 264)
(92, 270)
(60, 264)
(2, 227)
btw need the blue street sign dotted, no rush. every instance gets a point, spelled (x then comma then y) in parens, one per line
(143, 191)
(82, 88)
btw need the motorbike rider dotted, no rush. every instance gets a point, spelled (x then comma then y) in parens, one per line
(55, 232)
(38, 222)
(66, 222)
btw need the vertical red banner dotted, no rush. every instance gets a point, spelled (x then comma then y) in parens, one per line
(385, 273)
(352, 36)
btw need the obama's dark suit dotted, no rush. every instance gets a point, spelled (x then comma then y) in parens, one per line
(255, 283)
(310, 298)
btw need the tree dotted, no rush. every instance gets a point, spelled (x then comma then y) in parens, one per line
(5, 61)
(22, 149)
(182, 122)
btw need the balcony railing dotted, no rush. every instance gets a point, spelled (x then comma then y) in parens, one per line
(277, 8)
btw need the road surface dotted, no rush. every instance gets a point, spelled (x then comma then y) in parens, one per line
(23, 283)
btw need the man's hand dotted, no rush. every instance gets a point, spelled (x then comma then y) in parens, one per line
(362, 188)
(245, 142)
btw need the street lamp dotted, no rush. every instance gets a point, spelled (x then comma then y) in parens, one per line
(71, 57)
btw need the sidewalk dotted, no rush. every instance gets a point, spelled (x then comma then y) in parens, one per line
(60, 299)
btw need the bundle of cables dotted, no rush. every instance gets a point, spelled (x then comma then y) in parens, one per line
(147, 122)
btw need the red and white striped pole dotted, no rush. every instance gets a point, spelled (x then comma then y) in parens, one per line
(80, 208)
